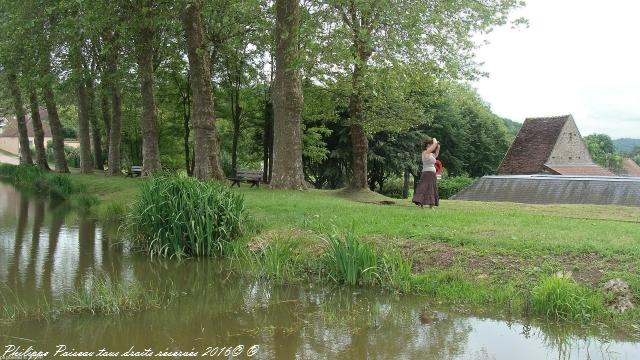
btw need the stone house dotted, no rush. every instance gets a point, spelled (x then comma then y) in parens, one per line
(550, 145)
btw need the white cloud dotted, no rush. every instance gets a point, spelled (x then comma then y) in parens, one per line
(577, 57)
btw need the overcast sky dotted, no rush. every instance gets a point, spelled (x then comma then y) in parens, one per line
(579, 57)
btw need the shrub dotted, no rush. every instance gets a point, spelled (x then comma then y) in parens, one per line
(393, 189)
(181, 216)
(351, 261)
(447, 187)
(562, 299)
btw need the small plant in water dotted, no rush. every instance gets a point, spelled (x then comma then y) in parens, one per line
(562, 299)
(277, 259)
(351, 261)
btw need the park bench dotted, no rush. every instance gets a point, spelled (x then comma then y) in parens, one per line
(135, 171)
(252, 177)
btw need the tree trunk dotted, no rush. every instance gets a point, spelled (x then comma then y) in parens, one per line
(86, 165)
(288, 99)
(38, 132)
(405, 185)
(23, 136)
(359, 142)
(206, 148)
(186, 119)
(52, 111)
(267, 142)
(113, 86)
(236, 113)
(150, 133)
(96, 135)
(106, 116)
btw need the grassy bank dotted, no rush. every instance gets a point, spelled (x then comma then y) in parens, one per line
(482, 255)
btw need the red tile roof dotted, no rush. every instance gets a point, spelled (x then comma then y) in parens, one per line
(630, 167)
(11, 129)
(582, 170)
(532, 147)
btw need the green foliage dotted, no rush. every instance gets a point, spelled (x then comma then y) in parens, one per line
(449, 186)
(603, 152)
(181, 216)
(277, 260)
(393, 189)
(562, 299)
(350, 261)
(57, 186)
(395, 272)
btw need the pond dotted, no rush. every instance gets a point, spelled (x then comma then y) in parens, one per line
(46, 251)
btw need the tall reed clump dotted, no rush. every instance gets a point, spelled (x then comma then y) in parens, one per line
(351, 261)
(562, 299)
(181, 216)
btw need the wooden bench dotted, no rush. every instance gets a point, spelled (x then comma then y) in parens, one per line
(252, 177)
(135, 171)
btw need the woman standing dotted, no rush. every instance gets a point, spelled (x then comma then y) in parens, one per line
(427, 191)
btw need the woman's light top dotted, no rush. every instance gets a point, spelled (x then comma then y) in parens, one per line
(428, 162)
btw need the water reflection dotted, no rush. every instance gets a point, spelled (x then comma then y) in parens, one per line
(47, 250)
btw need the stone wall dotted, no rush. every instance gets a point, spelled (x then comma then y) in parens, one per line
(570, 148)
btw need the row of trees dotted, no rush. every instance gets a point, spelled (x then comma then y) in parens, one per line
(271, 82)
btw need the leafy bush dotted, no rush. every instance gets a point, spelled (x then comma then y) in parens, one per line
(181, 216)
(447, 187)
(351, 261)
(393, 189)
(562, 299)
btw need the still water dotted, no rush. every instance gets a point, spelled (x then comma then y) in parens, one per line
(46, 250)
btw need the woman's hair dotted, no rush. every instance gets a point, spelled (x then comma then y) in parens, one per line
(427, 142)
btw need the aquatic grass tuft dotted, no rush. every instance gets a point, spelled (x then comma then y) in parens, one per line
(182, 216)
(277, 260)
(99, 297)
(563, 299)
(395, 271)
(351, 261)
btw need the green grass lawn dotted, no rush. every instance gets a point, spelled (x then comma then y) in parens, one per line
(494, 250)
(589, 240)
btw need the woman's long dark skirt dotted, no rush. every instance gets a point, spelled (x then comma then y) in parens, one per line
(427, 191)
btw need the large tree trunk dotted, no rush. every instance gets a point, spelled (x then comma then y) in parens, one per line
(23, 136)
(113, 86)
(267, 141)
(150, 133)
(287, 100)
(105, 107)
(186, 120)
(236, 114)
(359, 141)
(86, 164)
(96, 135)
(206, 148)
(52, 111)
(38, 131)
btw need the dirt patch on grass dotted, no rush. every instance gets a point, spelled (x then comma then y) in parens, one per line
(587, 268)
